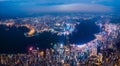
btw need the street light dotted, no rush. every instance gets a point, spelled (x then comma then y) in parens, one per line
(31, 48)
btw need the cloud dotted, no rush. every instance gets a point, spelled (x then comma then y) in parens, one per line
(70, 8)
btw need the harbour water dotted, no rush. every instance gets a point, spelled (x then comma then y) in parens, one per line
(12, 39)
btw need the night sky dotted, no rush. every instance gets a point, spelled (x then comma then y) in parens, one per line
(30, 7)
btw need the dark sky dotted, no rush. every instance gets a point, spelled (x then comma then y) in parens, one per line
(10, 7)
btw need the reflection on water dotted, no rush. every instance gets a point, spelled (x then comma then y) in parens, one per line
(13, 39)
